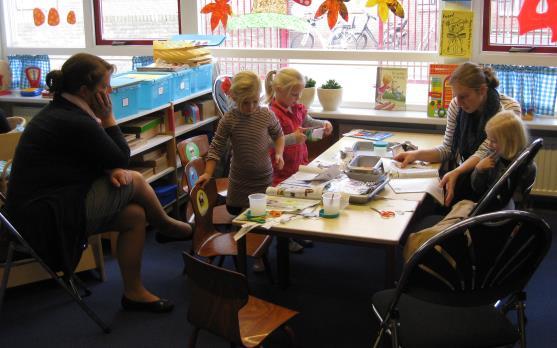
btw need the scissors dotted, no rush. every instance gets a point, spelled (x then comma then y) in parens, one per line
(385, 214)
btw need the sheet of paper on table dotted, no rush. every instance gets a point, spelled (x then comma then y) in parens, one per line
(312, 173)
(428, 185)
(289, 204)
(413, 170)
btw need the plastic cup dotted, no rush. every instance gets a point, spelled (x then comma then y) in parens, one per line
(257, 204)
(331, 203)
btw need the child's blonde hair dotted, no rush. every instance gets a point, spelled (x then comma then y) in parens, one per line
(285, 78)
(245, 84)
(509, 132)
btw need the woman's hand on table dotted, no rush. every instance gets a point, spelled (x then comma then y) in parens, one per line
(120, 177)
(406, 158)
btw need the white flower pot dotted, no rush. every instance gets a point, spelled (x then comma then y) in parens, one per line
(307, 97)
(329, 98)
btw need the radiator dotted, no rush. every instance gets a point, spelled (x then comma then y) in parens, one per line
(546, 176)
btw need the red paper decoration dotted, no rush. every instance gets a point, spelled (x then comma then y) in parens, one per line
(71, 18)
(332, 8)
(219, 11)
(529, 19)
(53, 17)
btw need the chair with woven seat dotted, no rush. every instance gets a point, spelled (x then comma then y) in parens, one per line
(19, 251)
(446, 294)
(221, 304)
(210, 243)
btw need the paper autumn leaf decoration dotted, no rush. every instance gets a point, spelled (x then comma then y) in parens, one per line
(70, 18)
(38, 17)
(53, 17)
(219, 11)
(383, 7)
(332, 8)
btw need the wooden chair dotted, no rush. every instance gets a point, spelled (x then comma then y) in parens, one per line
(198, 147)
(192, 172)
(209, 243)
(220, 303)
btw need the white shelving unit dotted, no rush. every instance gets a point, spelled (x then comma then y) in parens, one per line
(185, 128)
(160, 174)
(151, 143)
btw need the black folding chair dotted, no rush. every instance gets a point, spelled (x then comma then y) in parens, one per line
(69, 282)
(446, 294)
(223, 104)
(501, 193)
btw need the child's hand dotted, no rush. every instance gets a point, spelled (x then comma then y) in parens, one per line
(279, 161)
(203, 179)
(487, 163)
(300, 136)
(120, 177)
(328, 128)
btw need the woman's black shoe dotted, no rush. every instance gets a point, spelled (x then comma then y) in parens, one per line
(159, 306)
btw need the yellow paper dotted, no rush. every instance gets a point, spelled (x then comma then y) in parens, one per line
(456, 33)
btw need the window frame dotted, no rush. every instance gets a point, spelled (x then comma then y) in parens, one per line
(98, 25)
(487, 47)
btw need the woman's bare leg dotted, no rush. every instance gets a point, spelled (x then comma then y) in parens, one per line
(131, 222)
(145, 196)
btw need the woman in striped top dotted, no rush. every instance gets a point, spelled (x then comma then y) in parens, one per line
(464, 145)
(248, 126)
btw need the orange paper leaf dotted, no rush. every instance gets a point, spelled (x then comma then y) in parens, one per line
(529, 19)
(53, 17)
(219, 11)
(333, 8)
(38, 17)
(71, 17)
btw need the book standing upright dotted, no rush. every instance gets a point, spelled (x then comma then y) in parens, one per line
(390, 91)
(440, 92)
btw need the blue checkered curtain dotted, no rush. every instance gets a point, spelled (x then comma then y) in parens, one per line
(138, 61)
(18, 63)
(534, 87)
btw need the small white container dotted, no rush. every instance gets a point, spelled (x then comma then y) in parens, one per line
(331, 203)
(257, 204)
(380, 148)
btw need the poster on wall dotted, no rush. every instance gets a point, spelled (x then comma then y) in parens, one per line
(456, 33)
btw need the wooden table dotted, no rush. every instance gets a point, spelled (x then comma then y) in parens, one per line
(357, 224)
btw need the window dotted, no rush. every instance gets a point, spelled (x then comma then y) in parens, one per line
(136, 22)
(42, 24)
(501, 28)
(349, 53)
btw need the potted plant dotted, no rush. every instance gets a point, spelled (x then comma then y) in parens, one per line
(308, 93)
(330, 95)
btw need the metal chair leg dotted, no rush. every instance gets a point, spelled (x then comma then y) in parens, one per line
(268, 269)
(7, 269)
(193, 337)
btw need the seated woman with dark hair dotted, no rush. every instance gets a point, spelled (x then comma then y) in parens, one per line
(68, 180)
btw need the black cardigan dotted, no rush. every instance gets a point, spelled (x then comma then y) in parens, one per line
(60, 153)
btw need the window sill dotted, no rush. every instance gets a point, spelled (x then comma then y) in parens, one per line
(410, 117)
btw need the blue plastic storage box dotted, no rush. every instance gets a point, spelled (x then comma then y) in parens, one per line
(181, 84)
(154, 88)
(202, 78)
(124, 96)
(166, 193)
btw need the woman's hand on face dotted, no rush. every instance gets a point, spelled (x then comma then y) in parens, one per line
(406, 158)
(279, 161)
(448, 182)
(300, 136)
(120, 177)
(102, 106)
(486, 164)
(203, 179)
(328, 128)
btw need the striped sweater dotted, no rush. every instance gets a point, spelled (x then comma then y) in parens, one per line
(507, 103)
(250, 169)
